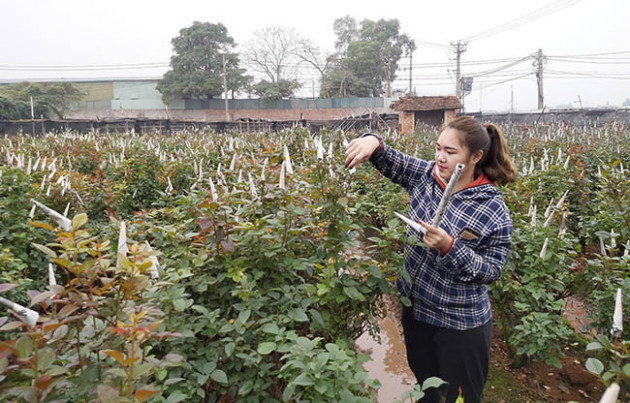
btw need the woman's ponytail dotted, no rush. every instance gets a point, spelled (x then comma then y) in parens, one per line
(497, 164)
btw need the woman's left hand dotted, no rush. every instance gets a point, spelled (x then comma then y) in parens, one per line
(437, 238)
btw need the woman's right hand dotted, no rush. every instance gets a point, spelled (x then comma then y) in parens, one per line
(360, 150)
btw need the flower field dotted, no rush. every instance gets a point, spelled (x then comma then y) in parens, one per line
(242, 266)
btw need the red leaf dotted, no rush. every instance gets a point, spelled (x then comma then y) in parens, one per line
(144, 394)
(44, 381)
(117, 355)
(118, 330)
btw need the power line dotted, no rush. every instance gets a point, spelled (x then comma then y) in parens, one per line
(532, 16)
(597, 54)
(142, 66)
(565, 60)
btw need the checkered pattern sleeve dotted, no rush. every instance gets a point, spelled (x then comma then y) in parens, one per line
(480, 261)
(400, 168)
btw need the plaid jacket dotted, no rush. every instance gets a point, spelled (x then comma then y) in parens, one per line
(449, 290)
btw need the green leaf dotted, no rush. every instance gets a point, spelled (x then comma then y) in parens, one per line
(176, 397)
(246, 388)
(298, 315)
(57, 370)
(317, 316)
(219, 376)
(288, 392)
(118, 372)
(270, 328)
(229, 348)
(595, 345)
(46, 250)
(11, 325)
(353, 293)
(173, 358)
(182, 304)
(141, 370)
(303, 380)
(79, 220)
(405, 301)
(432, 382)
(25, 346)
(594, 365)
(244, 315)
(107, 394)
(41, 297)
(321, 388)
(45, 358)
(171, 381)
(266, 347)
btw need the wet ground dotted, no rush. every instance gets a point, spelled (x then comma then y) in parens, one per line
(537, 382)
(388, 361)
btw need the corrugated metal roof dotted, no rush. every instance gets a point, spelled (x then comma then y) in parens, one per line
(77, 79)
(427, 103)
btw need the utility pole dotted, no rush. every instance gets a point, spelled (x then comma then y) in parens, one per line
(539, 76)
(386, 58)
(388, 84)
(225, 89)
(411, 47)
(33, 117)
(459, 48)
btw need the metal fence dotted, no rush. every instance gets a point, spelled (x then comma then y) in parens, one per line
(255, 104)
(140, 126)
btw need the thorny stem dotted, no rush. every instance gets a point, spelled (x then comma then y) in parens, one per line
(35, 366)
(98, 355)
(79, 351)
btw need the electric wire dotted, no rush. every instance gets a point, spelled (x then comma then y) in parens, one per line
(517, 22)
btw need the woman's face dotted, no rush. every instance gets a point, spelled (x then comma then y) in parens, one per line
(449, 151)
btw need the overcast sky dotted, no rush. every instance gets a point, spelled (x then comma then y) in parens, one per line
(587, 42)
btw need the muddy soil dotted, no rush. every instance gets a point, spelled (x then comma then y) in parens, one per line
(537, 382)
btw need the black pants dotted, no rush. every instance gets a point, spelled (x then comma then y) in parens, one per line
(459, 357)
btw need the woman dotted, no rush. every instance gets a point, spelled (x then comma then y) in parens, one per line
(448, 327)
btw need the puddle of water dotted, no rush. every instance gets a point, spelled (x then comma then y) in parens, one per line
(388, 361)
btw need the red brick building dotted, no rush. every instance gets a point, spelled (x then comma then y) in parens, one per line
(430, 110)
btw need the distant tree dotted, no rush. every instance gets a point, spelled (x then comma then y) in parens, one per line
(367, 57)
(278, 90)
(48, 98)
(626, 102)
(9, 110)
(197, 64)
(273, 52)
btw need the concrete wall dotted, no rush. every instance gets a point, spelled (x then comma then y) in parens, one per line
(98, 95)
(577, 116)
(136, 95)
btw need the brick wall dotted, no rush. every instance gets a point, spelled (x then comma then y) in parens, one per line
(209, 115)
(406, 120)
(449, 115)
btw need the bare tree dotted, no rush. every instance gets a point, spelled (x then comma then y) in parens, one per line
(309, 53)
(272, 51)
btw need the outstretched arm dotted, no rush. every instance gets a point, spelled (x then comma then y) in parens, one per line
(360, 150)
(400, 168)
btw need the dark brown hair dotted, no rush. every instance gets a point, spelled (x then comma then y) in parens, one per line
(496, 163)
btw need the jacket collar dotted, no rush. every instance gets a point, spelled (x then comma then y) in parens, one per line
(481, 180)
